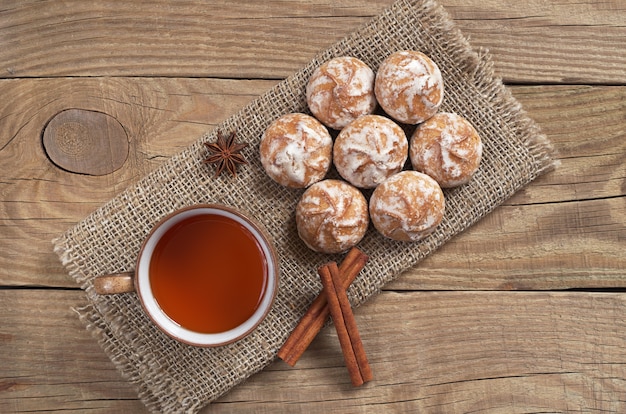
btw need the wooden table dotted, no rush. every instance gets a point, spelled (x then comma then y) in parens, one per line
(524, 312)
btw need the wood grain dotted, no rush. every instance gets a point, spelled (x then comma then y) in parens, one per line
(533, 41)
(487, 324)
(567, 42)
(514, 352)
(575, 214)
(49, 358)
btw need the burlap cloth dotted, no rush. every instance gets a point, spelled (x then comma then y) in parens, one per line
(172, 377)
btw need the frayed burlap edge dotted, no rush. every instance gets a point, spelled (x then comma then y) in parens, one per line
(163, 394)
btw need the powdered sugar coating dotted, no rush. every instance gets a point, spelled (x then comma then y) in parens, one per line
(448, 148)
(369, 150)
(296, 150)
(340, 91)
(407, 207)
(409, 86)
(331, 216)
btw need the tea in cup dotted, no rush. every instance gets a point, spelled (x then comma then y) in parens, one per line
(206, 275)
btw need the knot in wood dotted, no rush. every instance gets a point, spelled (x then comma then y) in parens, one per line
(85, 142)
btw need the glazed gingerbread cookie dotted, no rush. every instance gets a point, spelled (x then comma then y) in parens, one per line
(296, 150)
(409, 86)
(369, 150)
(332, 216)
(407, 207)
(340, 91)
(448, 148)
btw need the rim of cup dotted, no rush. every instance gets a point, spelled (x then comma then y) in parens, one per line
(172, 328)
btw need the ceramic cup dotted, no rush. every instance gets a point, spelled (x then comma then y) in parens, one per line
(153, 276)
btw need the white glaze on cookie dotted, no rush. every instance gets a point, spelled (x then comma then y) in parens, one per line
(331, 216)
(448, 148)
(340, 91)
(409, 87)
(407, 206)
(296, 150)
(369, 150)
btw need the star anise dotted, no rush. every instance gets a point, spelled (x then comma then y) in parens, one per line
(225, 153)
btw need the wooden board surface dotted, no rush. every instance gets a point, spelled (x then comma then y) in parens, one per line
(567, 42)
(512, 316)
(544, 231)
(513, 352)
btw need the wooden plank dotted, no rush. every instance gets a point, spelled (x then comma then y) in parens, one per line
(548, 42)
(512, 352)
(566, 42)
(220, 38)
(49, 361)
(549, 234)
(562, 213)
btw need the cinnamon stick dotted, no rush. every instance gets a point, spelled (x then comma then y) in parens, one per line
(315, 317)
(345, 325)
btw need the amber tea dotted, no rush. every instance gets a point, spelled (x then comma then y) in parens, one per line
(208, 273)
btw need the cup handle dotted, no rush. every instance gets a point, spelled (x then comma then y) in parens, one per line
(114, 283)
